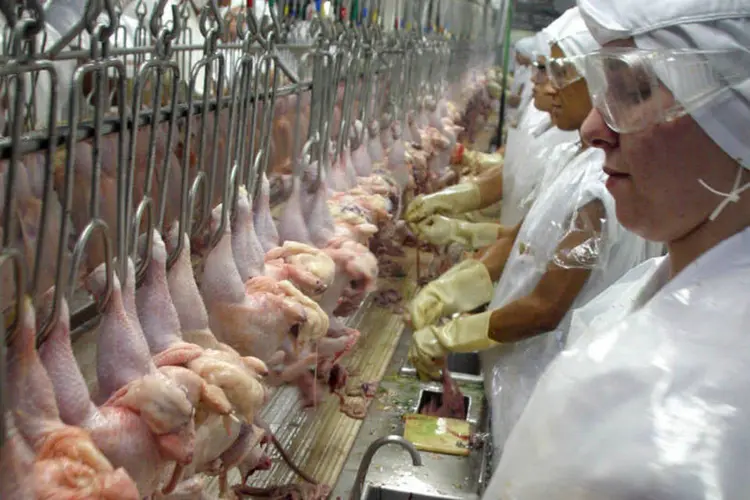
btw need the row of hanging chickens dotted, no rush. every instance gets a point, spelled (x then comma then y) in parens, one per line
(184, 368)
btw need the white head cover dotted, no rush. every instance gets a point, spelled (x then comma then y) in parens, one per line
(526, 46)
(552, 32)
(573, 36)
(686, 24)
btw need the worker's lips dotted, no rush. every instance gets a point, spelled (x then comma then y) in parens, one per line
(615, 179)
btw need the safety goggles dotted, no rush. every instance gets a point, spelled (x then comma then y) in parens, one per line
(538, 72)
(564, 71)
(634, 89)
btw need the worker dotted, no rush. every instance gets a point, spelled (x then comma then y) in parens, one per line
(521, 73)
(434, 217)
(568, 249)
(652, 401)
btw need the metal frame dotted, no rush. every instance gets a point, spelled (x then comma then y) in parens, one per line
(90, 106)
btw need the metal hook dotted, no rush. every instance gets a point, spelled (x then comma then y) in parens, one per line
(113, 20)
(141, 11)
(213, 9)
(156, 15)
(8, 10)
(275, 19)
(146, 205)
(19, 266)
(37, 10)
(241, 23)
(96, 225)
(199, 186)
(252, 22)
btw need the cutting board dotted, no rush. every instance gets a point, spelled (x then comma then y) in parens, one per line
(438, 435)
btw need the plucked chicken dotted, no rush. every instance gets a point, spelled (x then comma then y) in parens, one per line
(146, 424)
(60, 461)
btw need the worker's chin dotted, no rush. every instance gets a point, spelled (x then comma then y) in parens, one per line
(543, 107)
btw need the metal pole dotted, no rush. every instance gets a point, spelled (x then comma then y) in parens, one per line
(498, 139)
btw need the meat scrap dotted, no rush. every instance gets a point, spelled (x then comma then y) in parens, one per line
(387, 297)
(391, 269)
(353, 407)
(286, 492)
(452, 404)
(365, 389)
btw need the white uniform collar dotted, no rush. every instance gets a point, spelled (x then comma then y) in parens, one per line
(660, 281)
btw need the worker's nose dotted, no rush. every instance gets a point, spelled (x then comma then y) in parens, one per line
(595, 132)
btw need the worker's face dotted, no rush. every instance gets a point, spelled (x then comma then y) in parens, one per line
(571, 104)
(543, 90)
(522, 59)
(654, 176)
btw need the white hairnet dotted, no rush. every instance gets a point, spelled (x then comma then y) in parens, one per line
(573, 36)
(542, 45)
(526, 46)
(552, 32)
(685, 24)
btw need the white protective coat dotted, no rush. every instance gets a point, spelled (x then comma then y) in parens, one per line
(528, 154)
(654, 405)
(511, 370)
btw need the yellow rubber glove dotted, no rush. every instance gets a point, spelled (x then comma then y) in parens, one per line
(495, 89)
(441, 230)
(479, 162)
(462, 288)
(431, 344)
(451, 200)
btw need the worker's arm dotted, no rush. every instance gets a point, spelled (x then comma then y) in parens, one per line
(460, 198)
(544, 308)
(490, 187)
(496, 255)
(441, 230)
(539, 312)
(465, 286)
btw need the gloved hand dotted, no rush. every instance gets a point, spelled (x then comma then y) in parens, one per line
(462, 288)
(495, 89)
(431, 344)
(441, 230)
(451, 200)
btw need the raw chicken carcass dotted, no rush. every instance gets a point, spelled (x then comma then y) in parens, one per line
(125, 372)
(187, 300)
(224, 383)
(374, 145)
(265, 228)
(254, 325)
(192, 311)
(246, 247)
(316, 324)
(292, 225)
(339, 178)
(318, 218)
(130, 429)
(66, 463)
(360, 157)
(16, 463)
(308, 268)
(397, 159)
(361, 267)
(29, 193)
